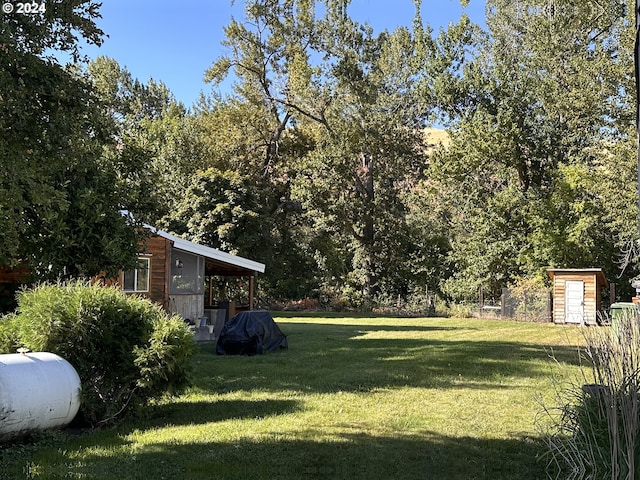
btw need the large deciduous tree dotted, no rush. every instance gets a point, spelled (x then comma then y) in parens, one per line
(339, 127)
(156, 146)
(240, 202)
(59, 212)
(537, 165)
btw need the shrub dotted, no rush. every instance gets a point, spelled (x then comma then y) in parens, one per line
(125, 349)
(595, 432)
(8, 338)
(459, 310)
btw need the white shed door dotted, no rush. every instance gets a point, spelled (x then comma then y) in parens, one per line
(574, 301)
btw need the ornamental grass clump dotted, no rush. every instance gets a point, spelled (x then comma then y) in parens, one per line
(125, 349)
(595, 432)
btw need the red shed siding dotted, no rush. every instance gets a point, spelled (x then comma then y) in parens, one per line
(14, 274)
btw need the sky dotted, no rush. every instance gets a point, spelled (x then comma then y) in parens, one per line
(176, 41)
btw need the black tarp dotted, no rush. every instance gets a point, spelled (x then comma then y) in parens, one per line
(251, 333)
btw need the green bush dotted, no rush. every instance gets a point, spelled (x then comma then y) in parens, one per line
(459, 310)
(8, 338)
(125, 349)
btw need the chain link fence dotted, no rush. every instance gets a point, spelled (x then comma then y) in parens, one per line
(526, 305)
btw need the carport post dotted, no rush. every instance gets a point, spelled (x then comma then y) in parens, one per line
(251, 290)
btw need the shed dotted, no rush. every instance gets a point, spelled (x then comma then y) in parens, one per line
(577, 294)
(178, 274)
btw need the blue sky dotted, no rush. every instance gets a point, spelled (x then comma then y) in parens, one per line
(176, 41)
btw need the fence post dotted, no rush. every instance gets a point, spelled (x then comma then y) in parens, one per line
(612, 293)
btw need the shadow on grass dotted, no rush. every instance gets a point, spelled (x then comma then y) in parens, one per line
(327, 358)
(187, 413)
(322, 358)
(351, 456)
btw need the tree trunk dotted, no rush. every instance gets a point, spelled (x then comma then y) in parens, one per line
(366, 181)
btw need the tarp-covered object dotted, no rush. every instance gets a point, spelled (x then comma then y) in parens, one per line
(251, 333)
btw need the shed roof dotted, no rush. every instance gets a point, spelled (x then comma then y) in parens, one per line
(216, 261)
(594, 271)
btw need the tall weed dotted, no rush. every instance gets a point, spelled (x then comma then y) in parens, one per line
(595, 431)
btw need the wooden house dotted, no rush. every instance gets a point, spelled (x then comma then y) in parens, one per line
(178, 274)
(577, 294)
(173, 272)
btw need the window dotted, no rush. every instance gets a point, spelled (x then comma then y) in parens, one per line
(137, 280)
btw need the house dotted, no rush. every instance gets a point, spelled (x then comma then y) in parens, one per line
(173, 272)
(179, 275)
(577, 294)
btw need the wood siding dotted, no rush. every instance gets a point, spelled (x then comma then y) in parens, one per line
(158, 250)
(15, 275)
(189, 307)
(591, 295)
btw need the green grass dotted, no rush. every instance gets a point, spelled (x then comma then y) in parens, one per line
(353, 397)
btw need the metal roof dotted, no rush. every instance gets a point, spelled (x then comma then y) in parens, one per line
(222, 262)
(595, 271)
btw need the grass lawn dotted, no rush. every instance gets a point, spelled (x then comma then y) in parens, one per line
(352, 398)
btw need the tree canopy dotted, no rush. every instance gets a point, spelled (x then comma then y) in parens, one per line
(535, 119)
(320, 162)
(60, 208)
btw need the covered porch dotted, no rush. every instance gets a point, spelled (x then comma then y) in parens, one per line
(193, 280)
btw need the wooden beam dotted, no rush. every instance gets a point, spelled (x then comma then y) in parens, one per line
(251, 291)
(211, 290)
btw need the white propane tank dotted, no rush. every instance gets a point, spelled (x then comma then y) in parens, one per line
(38, 390)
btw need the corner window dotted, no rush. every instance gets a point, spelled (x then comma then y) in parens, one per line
(137, 280)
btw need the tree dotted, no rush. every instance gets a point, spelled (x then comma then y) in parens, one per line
(347, 97)
(233, 203)
(60, 211)
(156, 146)
(536, 114)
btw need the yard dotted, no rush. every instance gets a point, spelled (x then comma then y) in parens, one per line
(353, 397)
